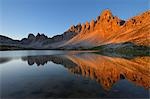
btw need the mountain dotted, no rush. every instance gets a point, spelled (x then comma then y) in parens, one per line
(107, 29)
(7, 43)
(5, 40)
(135, 30)
(40, 41)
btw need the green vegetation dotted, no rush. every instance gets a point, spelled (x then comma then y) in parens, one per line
(129, 50)
(7, 47)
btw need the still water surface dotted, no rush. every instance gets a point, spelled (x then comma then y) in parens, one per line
(74, 74)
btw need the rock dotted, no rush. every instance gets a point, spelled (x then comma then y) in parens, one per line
(41, 37)
(110, 29)
(31, 37)
(92, 25)
(87, 25)
(98, 18)
(106, 15)
(83, 27)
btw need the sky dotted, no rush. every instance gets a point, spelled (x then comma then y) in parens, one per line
(18, 18)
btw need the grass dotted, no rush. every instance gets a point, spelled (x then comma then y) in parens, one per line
(131, 50)
(7, 47)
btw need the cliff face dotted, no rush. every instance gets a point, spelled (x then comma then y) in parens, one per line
(135, 30)
(108, 28)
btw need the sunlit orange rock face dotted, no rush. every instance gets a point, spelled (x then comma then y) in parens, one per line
(107, 71)
(135, 30)
(108, 28)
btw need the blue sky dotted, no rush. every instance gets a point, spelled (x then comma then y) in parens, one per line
(51, 17)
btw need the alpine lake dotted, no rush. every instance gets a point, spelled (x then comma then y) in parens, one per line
(72, 74)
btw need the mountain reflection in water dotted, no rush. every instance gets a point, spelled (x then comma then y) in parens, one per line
(105, 70)
(42, 60)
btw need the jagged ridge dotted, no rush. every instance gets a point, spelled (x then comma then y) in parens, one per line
(110, 29)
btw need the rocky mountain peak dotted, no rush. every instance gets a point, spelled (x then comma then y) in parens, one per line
(79, 24)
(92, 25)
(75, 29)
(98, 18)
(108, 22)
(92, 22)
(106, 14)
(41, 37)
(87, 25)
(105, 20)
(107, 17)
(72, 27)
(136, 21)
(31, 36)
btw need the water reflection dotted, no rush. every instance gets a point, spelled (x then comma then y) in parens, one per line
(42, 60)
(105, 70)
(75, 75)
(5, 60)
